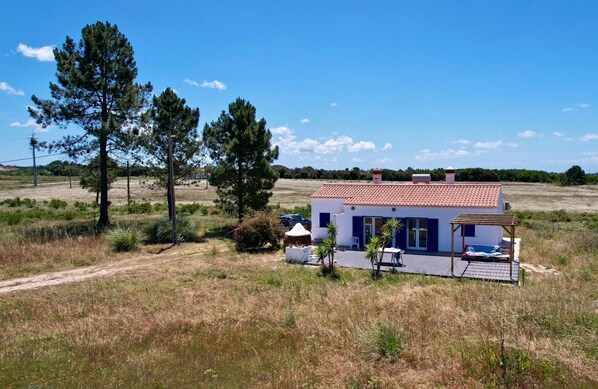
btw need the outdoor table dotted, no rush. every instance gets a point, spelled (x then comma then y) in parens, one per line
(397, 256)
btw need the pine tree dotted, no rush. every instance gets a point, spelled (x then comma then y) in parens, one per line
(95, 91)
(170, 116)
(241, 150)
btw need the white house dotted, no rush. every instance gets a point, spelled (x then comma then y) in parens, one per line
(424, 208)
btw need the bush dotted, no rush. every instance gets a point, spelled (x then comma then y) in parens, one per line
(161, 231)
(189, 208)
(143, 207)
(18, 202)
(125, 239)
(57, 203)
(261, 231)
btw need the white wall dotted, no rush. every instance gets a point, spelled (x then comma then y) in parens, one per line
(332, 206)
(344, 219)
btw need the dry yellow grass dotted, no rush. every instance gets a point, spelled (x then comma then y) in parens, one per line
(291, 193)
(202, 315)
(205, 316)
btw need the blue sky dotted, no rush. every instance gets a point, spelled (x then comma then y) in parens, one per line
(496, 84)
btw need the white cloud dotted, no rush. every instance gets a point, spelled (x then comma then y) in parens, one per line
(527, 134)
(479, 148)
(355, 159)
(289, 143)
(30, 123)
(304, 120)
(588, 137)
(10, 90)
(558, 134)
(578, 105)
(461, 142)
(214, 85)
(384, 160)
(333, 104)
(361, 145)
(282, 130)
(206, 84)
(191, 82)
(428, 155)
(493, 145)
(387, 146)
(42, 54)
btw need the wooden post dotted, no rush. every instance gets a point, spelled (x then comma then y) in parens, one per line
(452, 248)
(512, 252)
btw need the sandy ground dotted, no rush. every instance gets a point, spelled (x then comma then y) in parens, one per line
(77, 275)
(290, 193)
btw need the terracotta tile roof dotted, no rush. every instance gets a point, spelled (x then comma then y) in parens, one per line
(409, 195)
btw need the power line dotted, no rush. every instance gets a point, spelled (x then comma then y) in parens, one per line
(27, 159)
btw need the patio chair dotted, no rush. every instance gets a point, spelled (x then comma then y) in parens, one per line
(354, 242)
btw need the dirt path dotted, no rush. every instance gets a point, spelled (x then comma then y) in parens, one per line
(81, 274)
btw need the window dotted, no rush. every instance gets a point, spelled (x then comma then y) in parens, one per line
(468, 230)
(324, 219)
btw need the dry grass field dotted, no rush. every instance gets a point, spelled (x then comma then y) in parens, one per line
(203, 315)
(291, 193)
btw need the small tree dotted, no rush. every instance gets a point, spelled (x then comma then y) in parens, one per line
(240, 147)
(574, 176)
(372, 250)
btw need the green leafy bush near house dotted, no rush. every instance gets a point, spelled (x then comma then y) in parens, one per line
(259, 232)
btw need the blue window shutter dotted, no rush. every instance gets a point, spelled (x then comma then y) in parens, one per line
(468, 230)
(324, 219)
(358, 229)
(401, 238)
(432, 234)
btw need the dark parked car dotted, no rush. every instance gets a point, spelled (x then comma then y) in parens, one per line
(289, 220)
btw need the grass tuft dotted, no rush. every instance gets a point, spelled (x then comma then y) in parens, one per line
(125, 239)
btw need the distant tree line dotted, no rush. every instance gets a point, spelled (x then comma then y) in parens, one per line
(574, 176)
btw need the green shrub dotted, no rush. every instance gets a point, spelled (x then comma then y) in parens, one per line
(161, 231)
(125, 239)
(190, 209)
(80, 206)
(143, 207)
(18, 202)
(386, 340)
(261, 231)
(11, 218)
(57, 203)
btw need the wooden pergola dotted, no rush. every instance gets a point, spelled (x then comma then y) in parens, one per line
(507, 222)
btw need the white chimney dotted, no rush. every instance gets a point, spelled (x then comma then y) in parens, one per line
(377, 176)
(450, 175)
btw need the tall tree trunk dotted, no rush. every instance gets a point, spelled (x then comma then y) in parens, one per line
(169, 199)
(103, 220)
(240, 191)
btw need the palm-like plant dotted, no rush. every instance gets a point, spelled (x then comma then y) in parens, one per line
(373, 253)
(321, 253)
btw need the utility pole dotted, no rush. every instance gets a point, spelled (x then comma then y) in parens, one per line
(33, 143)
(171, 189)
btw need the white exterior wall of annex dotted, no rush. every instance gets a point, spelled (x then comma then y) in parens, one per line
(331, 206)
(342, 215)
